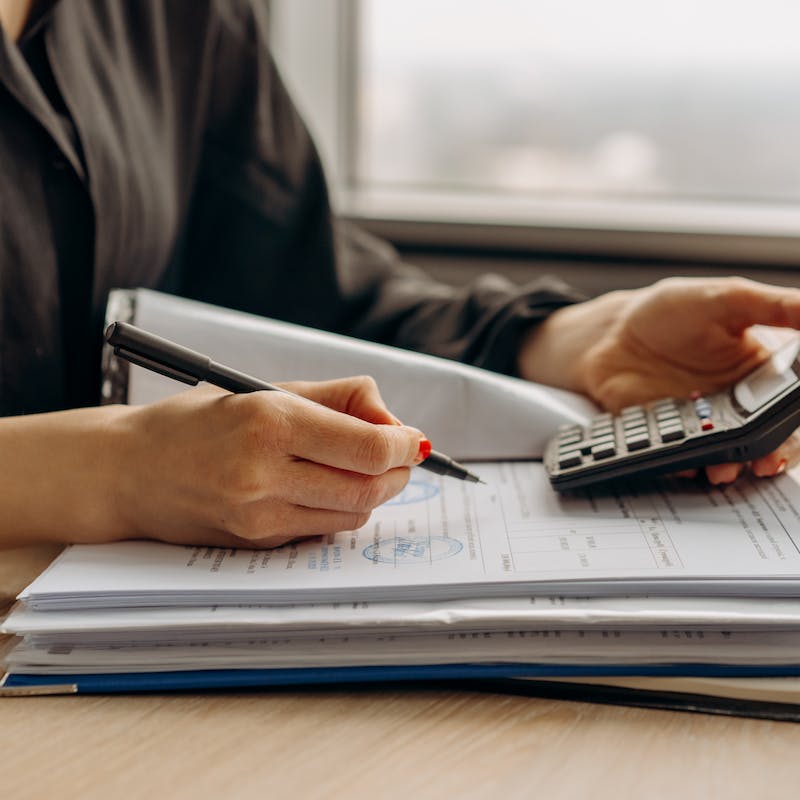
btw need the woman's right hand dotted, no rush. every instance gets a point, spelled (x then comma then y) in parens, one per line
(212, 468)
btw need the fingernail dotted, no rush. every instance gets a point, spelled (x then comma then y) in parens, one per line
(425, 448)
(781, 467)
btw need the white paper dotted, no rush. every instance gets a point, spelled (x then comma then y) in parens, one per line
(607, 647)
(468, 413)
(445, 539)
(123, 626)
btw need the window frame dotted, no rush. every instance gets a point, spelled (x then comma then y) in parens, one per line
(316, 46)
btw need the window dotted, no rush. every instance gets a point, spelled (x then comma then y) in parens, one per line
(563, 114)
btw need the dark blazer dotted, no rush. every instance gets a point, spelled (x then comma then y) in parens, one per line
(151, 143)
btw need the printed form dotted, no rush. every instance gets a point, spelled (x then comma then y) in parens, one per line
(444, 538)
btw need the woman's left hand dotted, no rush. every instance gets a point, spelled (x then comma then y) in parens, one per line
(667, 340)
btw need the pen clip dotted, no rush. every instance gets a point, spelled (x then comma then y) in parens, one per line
(156, 366)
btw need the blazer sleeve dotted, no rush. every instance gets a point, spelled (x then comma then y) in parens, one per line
(261, 236)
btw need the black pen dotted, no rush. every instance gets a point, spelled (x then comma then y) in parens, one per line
(175, 361)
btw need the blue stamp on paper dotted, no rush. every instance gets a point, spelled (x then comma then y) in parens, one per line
(415, 492)
(412, 550)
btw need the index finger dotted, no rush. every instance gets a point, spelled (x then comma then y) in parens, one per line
(744, 303)
(320, 434)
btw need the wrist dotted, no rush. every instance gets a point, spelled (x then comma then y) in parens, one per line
(62, 485)
(558, 351)
(109, 438)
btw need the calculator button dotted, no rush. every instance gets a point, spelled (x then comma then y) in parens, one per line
(633, 422)
(707, 425)
(636, 431)
(569, 459)
(569, 448)
(569, 430)
(672, 411)
(604, 450)
(602, 423)
(703, 410)
(665, 403)
(602, 433)
(632, 411)
(633, 417)
(671, 433)
(637, 442)
(570, 438)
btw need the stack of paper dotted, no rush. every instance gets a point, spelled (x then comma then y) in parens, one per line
(448, 578)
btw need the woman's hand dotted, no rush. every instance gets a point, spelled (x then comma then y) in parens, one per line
(666, 340)
(207, 467)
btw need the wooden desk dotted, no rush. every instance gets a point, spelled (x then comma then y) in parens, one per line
(374, 744)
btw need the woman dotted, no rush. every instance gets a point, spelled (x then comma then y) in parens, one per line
(152, 144)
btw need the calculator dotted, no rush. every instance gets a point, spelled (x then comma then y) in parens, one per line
(747, 421)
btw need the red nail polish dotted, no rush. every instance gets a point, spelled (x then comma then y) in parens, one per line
(425, 448)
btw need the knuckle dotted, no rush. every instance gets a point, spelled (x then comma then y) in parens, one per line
(671, 284)
(369, 493)
(240, 481)
(342, 521)
(281, 431)
(374, 451)
(270, 524)
(268, 424)
(358, 520)
(366, 383)
(268, 542)
(733, 287)
(781, 311)
(246, 523)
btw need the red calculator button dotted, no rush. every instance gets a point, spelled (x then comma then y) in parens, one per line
(707, 425)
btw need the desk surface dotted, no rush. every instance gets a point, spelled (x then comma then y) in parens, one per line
(375, 744)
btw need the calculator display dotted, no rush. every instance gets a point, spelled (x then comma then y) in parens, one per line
(768, 381)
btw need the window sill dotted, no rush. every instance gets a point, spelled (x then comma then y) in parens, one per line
(688, 231)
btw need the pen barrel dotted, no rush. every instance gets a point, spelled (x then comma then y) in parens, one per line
(235, 381)
(160, 355)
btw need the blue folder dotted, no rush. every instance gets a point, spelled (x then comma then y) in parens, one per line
(526, 680)
(192, 680)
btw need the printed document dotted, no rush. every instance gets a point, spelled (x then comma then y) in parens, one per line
(446, 539)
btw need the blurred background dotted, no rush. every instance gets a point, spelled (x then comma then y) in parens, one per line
(559, 135)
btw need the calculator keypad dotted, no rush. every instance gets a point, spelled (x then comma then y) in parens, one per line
(635, 428)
